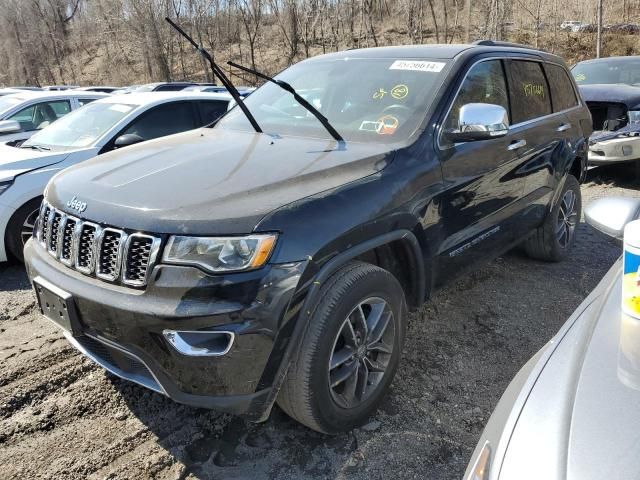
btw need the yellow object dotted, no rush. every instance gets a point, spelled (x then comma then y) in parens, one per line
(631, 294)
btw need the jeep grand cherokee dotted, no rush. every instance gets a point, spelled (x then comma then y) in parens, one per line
(232, 268)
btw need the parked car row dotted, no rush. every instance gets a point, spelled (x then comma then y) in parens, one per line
(272, 256)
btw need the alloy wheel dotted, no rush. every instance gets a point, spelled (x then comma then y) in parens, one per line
(28, 225)
(361, 352)
(567, 218)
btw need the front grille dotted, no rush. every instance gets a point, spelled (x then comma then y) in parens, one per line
(108, 253)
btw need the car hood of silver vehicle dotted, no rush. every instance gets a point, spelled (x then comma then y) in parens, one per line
(572, 412)
(227, 180)
(16, 161)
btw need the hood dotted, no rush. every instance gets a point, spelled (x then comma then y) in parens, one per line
(614, 93)
(209, 181)
(16, 161)
(581, 419)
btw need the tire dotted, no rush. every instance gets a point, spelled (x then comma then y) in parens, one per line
(547, 242)
(16, 235)
(306, 394)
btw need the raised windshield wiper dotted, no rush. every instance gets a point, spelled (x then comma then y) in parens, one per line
(217, 72)
(285, 86)
(40, 148)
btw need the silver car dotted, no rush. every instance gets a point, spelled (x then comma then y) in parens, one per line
(572, 412)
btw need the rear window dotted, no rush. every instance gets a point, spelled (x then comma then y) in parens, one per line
(562, 94)
(528, 91)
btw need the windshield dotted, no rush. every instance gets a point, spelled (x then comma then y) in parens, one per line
(607, 72)
(8, 101)
(365, 100)
(82, 127)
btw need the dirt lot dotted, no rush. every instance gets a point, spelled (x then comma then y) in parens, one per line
(63, 417)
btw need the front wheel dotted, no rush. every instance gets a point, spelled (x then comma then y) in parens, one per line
(350, 351)
(553, 240)
(20, 228)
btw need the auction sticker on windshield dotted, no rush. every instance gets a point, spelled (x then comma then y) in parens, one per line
(417, 66)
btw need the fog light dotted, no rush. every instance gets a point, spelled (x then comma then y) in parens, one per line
(200, 343)
(627, 150)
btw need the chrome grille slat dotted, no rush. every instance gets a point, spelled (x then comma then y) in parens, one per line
(109, 256)
(107, 253)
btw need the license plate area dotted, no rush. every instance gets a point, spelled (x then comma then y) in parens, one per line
(57, 305)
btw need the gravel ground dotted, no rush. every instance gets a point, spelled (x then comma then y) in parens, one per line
(63, 417)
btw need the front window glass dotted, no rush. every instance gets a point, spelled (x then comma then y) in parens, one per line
(41, 115)
(484, 83)
(607, 72)
(82, 127)
(365, 100)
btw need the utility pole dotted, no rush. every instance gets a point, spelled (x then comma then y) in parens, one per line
(599, 36)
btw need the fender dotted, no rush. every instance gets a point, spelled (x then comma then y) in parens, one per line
(286, 345)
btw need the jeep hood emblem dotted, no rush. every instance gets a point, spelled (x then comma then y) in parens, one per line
(77, 205)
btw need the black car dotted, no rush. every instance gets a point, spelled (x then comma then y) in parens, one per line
(276, 259)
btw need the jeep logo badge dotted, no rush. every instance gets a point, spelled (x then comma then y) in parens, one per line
(77, 205)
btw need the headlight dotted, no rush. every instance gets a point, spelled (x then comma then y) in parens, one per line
(4, 186)
(220, 254)
(634, 116)
(480, 470)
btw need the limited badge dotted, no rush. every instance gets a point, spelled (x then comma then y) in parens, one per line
(399, 92)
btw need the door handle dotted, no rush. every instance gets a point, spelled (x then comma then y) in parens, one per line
(564, 127)
(517, 144)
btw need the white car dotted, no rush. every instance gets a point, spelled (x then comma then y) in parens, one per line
(23, 114)
(104, 125)
(573, 25)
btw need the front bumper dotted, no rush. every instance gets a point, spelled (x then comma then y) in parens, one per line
(616, 150)
(122, 328)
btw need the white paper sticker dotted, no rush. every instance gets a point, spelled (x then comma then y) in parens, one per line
(417, 66)
(118, 107)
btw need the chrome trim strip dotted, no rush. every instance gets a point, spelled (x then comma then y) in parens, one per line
(176, 340)
(99, 242)
(71, 260)
(153, 254)
(88, 270)
(43, 208)
(52, 216)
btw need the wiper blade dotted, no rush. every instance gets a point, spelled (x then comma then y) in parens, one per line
(217, 72)
(40, 148)
(286, 86)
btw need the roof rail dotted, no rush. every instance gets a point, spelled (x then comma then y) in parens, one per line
(496, 43)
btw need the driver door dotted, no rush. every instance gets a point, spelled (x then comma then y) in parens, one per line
(484, 186)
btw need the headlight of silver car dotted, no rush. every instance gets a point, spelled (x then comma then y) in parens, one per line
(4, 186)
(634, 116)
(220, 254)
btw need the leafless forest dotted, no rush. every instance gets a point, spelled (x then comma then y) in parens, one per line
(122, 42)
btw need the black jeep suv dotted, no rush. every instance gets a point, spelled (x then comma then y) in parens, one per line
(232, 267)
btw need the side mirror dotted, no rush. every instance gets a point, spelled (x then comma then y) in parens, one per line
(610, 215)
(127, 139)
(479, 121)
(9, 126)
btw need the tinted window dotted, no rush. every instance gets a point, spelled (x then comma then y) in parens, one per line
(529, 92)
(212, 110)
(170, 88)
(40, 115)
(562, 94)
(485, 83)
(84, 101)
(163, 120)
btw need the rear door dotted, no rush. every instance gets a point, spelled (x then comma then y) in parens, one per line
(484, 184)
(542, 133)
